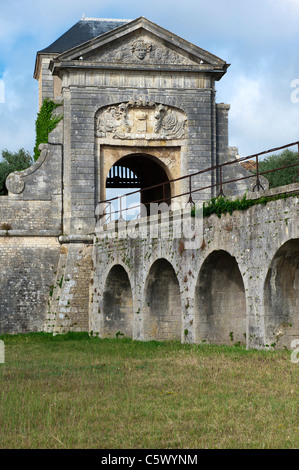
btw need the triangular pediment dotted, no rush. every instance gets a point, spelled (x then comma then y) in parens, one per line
(142, 42)
(141, 48)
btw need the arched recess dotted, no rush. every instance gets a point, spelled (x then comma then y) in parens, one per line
(220, 304)
(162, 304)
(117, 304)
(281, 296)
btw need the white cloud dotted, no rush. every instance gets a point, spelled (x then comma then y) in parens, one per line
(259, 38)
(261, 116)
(284, 5)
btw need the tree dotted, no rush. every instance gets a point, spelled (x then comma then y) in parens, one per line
(280, 177)
(13, 161)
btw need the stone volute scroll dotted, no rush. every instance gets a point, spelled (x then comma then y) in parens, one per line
(15, 183)
(141, 119)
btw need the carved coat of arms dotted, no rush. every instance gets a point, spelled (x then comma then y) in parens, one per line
(141, 120)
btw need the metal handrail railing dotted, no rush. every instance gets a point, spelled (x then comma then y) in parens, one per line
(220, 183)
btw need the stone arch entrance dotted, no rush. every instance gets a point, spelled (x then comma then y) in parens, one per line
(281, 296)
(141, 171)
(152, 164)
(220, 301)
(162, 306)
(151, 140)
(117, 304)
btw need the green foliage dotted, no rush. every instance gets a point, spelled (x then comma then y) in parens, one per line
(45, 123)
(280, 177)
(221, 205)
(12, 161)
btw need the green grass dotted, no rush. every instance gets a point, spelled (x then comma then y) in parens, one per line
(74, 391)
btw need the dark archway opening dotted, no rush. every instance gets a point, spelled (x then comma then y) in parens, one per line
(118, 304)
(163, 312)
(282, 296)
(140, 171)
(220, 301)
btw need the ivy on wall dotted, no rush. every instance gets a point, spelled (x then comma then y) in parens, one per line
(44, 124)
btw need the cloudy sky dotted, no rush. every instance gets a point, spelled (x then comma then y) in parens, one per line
(259, 38)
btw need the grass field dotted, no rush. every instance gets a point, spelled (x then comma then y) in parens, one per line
(74, 391)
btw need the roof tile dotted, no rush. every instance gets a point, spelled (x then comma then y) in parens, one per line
(82, 31)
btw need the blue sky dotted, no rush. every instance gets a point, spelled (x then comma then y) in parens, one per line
(259, 38)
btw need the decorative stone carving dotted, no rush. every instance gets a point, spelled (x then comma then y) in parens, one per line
(114, 120)
(169, 124)
(141, 103)
(141, 119)
(140, 48)
(144, 51)
(14, 183)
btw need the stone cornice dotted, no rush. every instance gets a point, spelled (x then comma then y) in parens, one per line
(39, 57)
(57, 67)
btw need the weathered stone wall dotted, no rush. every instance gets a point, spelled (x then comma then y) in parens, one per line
(30, 224)
(30, 217)
(34, 202)
(47, 83)
(28, 267)
(55, 275)
(240, 285)
(68, 307)
(81, 152)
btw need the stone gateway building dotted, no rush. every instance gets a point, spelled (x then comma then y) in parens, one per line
(139, 109)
